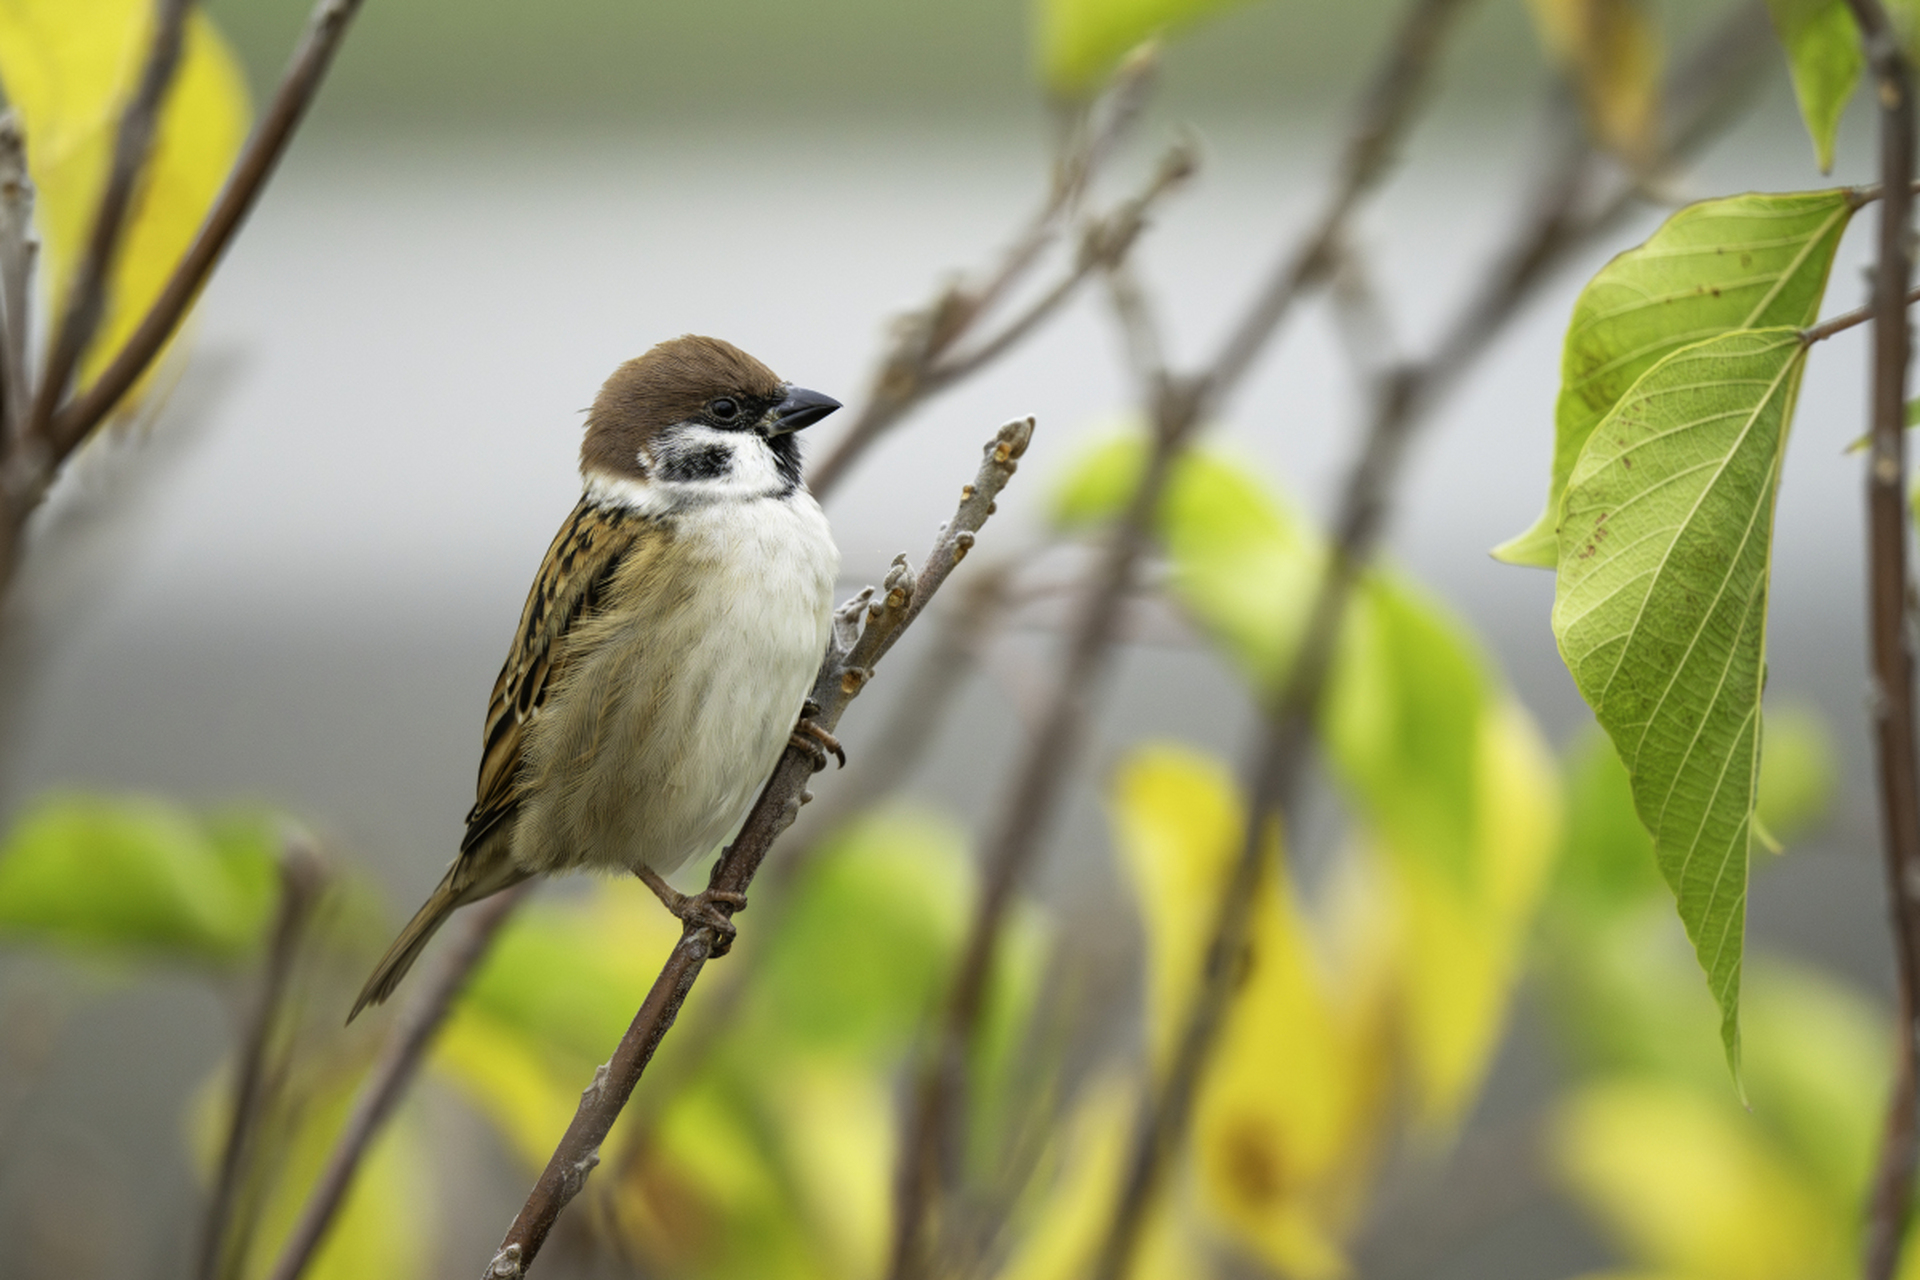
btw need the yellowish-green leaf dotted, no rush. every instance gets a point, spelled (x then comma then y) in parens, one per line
(1689, 1185)
(1798, 772)
(67, 67)
(1177, 824)
(1464, 942)
(1612, 49)
(1742, 262)
(567, 976)
(1081, 41)
(137, 876)
(1660, 612)
(387, 1225)
(1822, 42)
(824, 987)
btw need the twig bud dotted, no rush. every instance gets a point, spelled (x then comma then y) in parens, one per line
(505, 1265)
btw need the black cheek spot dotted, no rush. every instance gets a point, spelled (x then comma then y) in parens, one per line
(708, 463)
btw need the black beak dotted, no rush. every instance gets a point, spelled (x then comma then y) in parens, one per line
(801, 408)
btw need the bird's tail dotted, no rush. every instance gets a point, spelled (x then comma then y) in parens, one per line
(464, 882)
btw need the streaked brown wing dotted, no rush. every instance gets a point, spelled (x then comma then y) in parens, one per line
(583, 558)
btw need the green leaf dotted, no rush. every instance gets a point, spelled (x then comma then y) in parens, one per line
(1660, 613)
(1081, 41)
(903, 876)
(1823, 53)
(1744, 262)
(137, 876)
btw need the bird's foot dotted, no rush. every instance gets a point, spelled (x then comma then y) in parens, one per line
(815, 741)
(704, 908)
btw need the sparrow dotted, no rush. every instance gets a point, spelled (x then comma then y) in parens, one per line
(666, 649)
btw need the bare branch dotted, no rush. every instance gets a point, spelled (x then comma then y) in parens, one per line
(326, 28)
(18, 250)
(302, 880)
(1847, 320)
(923, 356)
(87, 293)
(1898, 754)
(864, 630)
(1386, 115)
(399, 1061)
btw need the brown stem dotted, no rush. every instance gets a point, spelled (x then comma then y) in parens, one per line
(1848, 320)
(400, 1059)
(87, 292)
(18, 249)
(1893, 710)
(326, 28)
(301, 881)
(864, 630)
(1040, 776)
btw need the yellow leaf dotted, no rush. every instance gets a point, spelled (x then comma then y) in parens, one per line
(1290, 1117)
(508, 1082)
(1287, 1124)
(67, 67)
(1060, 1237)
(1177, 820)
(838, 1143)
(1612, 50)
(1464, 940)
(1687, 1183)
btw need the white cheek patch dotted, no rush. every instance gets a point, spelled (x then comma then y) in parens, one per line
(690, 465)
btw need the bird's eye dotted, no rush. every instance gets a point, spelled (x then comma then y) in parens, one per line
(723, 409)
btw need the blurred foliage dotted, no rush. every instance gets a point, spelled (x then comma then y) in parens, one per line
(1613, 51)
(138, 878)
(1389, 1001)
(1081, 41)
(67, 68)
(1649, 1139)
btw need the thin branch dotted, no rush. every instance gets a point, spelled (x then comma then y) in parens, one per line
(18, 249)
(1387, 113)
(326, 28)
(1041, 774)
(925, 357)
(1402, 401)
(1892, 704)
(87, 293)
(864, 630)
(1847, 320)
(302, 879)
(400, 1059)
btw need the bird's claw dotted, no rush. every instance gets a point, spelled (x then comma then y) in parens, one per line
(704, 908)
(815, 741)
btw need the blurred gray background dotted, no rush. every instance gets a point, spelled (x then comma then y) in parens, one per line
(297, 586)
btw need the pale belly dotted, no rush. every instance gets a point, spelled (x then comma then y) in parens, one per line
(672, 725)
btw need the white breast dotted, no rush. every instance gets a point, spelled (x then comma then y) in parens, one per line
(689, 707)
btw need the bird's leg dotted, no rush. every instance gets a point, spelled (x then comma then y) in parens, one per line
(815, 741)
(701, 908)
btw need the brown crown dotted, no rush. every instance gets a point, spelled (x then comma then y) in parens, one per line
(671, 383)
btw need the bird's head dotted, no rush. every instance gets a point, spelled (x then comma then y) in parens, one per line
(693, 421)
